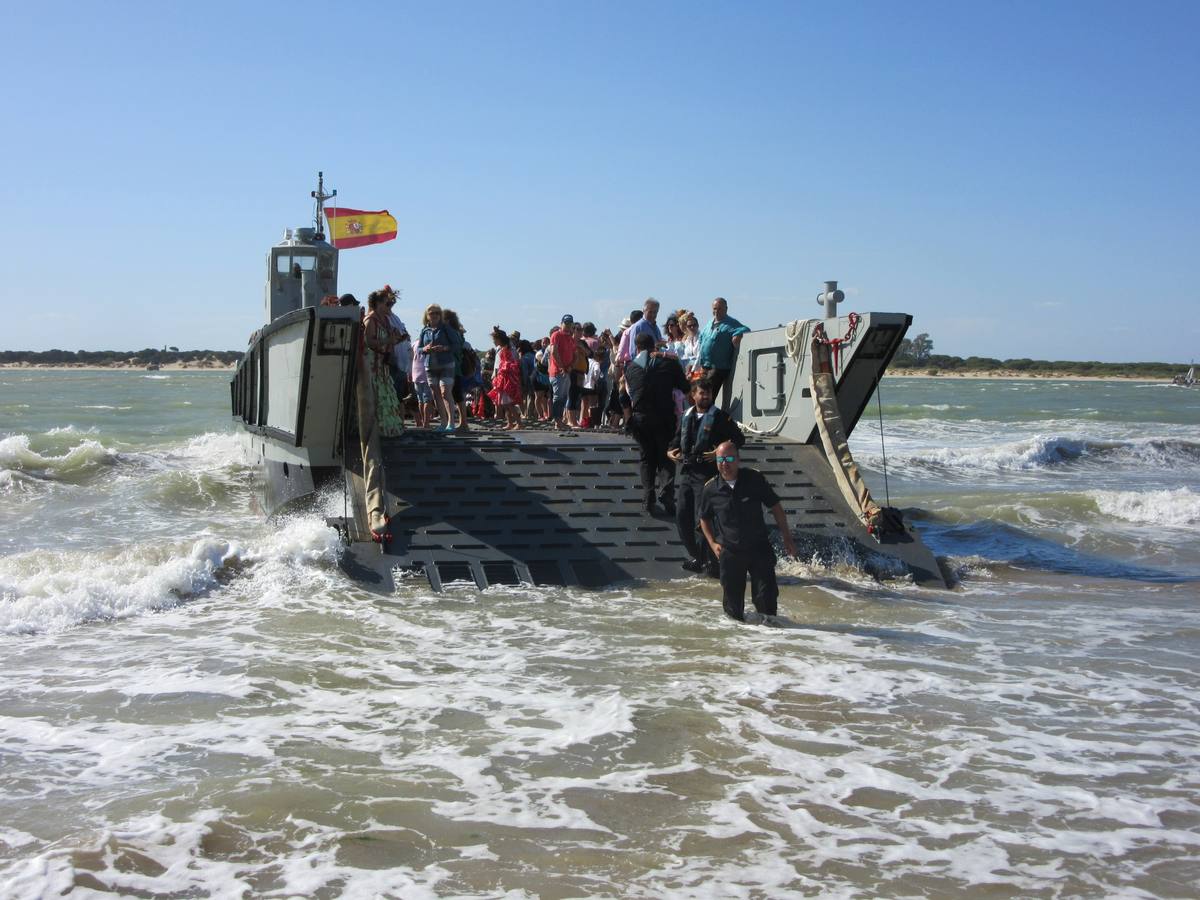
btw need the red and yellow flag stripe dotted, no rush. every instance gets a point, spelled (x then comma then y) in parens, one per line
(358, 227)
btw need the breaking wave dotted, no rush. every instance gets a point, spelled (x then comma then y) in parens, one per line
(74, 456)
(82, 458)
(1047, 452)
(214, 449)
(1175, 508)
(47, 590)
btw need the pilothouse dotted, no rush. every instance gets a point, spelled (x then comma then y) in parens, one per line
(302, 269)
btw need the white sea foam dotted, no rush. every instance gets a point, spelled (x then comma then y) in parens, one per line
(12, 838)
(53, 591)
(1172, 508)
(286, 734)
(210, 451)
(197, 857)
(846, 562)
(11, 480)
(563, 751)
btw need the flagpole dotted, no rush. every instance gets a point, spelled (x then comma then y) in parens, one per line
(320, 196)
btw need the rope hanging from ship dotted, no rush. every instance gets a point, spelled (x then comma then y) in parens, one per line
(875, 519)
(341, 411)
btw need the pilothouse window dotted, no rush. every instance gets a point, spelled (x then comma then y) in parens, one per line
(285, 261)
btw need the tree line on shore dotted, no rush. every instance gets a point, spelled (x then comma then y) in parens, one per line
(917, 355)
(118, 357)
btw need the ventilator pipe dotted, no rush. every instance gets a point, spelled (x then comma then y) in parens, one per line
(830, 298)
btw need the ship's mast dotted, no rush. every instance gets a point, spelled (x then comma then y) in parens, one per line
(320, 196)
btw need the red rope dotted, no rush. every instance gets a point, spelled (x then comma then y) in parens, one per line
(380, 536)
(835, 344)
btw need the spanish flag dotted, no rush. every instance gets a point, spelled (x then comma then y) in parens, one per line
(356, 227)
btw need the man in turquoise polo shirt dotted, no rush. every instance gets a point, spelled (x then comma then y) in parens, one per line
(719, 342)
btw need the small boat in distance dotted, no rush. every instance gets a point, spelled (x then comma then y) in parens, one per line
(540, 506)
(1187, 379)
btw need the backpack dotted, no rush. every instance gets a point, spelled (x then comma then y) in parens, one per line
(470, 361)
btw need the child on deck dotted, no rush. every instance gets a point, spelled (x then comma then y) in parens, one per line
(420, 380)
(591, 390)
(506, 380)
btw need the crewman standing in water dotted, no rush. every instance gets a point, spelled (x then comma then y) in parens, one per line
(732, 521)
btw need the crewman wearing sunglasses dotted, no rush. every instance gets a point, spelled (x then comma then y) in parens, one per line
(732, 521)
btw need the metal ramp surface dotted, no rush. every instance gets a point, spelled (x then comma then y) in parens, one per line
(545, 507)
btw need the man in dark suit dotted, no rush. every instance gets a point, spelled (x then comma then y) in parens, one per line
(701, 429)
(651, 378)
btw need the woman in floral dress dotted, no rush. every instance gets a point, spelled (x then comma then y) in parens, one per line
(380, 338)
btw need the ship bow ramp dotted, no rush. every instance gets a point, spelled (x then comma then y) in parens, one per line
(547, 508)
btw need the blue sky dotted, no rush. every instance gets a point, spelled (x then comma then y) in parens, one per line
(1021, 177)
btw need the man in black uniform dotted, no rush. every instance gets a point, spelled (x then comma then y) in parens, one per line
(694, 446)
(732, 522)
(651, 378)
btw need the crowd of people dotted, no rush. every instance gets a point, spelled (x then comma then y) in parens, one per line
(660, 383)
(575, 377)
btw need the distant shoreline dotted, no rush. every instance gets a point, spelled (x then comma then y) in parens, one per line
(199, 366)
(211, 366)
(1002, 375)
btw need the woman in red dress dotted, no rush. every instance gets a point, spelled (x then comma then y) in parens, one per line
(506, 380)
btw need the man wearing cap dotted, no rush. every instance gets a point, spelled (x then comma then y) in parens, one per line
(719, 342)
(732, 521)
(562, 358)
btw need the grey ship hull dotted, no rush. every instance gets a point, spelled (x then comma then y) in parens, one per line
(291, 395)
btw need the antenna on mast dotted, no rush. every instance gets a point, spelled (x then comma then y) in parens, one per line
(320, 196)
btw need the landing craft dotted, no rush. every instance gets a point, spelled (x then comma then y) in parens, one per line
(540, 506)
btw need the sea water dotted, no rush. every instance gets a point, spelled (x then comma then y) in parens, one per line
(195, 702)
